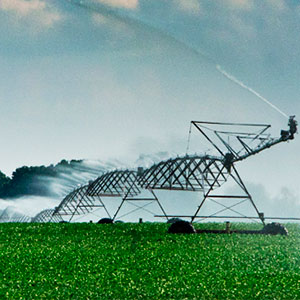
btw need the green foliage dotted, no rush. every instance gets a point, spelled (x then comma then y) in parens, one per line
(27, 181)
(142, 261)
(4, 180)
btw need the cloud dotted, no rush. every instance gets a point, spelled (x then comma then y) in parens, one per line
(285, 203)
(248, 5)
(129, 4)
(36, 11)
(191, 6)
(118, 28)
(278, 5)
(100, 19)
(239, 4)
(22, 7)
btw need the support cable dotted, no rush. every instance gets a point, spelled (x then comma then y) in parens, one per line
(134, 210)
(91, 213)
(230, 207)
(224, 209)
(189, 139)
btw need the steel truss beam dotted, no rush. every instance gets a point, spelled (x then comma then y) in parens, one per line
(47, 216)
(238, 198)
(124, 184)
(78, 202)
(115, 184)
(8, 215)
(188, 173)
(208, 194)
(127, 198)
(199, 173)
(238, 141)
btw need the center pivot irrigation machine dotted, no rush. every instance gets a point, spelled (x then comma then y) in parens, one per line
(232, 142)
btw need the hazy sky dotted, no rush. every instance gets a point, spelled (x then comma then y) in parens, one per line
(126, 77)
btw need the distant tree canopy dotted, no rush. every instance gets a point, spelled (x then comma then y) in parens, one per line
(4, 180)
(32, 180)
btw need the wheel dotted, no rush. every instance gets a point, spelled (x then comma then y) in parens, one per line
(181, 227)
(105, 221)
(275, 228)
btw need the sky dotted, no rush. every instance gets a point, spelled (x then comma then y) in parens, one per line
(122, 79)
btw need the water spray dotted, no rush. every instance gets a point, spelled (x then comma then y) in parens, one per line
(101, 9)
(241, 84)
(104, 10)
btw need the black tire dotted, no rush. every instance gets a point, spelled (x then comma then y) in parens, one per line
(275, 228)
(181, 227)
(105, 221)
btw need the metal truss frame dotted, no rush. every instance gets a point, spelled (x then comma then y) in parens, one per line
(249, 142)
(14, 217)
(124, 184)
(46, 216)
(247, 139)
(79, 202)
(198, 173)
(238, 198)
(115, 184)
(127, 198)
(188, 173)
(219, 174)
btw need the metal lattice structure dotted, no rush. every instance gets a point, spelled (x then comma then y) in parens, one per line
(115, 184)
(119, 183)
(46, 216)
(232, 142)
(123, 184)
(189, 173)
(78, 202)
(9, 215)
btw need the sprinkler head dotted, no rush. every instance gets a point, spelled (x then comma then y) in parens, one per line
(293, 126)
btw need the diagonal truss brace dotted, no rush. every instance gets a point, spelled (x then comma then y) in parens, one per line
(241, 198)
(82, 204)
(128, 198)
(78, 202)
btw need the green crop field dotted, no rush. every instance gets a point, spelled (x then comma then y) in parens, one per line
(132, 261)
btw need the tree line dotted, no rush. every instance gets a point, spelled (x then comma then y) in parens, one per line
(33, 180)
